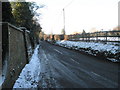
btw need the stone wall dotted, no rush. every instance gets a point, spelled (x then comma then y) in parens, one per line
(29, 45)
(16, 43)
(0, 49)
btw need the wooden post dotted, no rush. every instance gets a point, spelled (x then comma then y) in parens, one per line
(106, 36)
(96, 36)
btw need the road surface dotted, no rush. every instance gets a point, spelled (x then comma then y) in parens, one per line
(64, 68)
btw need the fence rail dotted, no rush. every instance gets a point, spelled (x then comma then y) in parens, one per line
(104, 36)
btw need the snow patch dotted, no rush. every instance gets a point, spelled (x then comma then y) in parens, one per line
(112, 59)
(92, 48)
(29, 77)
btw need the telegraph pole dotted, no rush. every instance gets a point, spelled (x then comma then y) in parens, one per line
(64, 19)
(64, 15)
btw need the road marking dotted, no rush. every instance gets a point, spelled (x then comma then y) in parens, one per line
(100, 79)
(58, 51)
(96, 74)
(74, 61)
(104, 80)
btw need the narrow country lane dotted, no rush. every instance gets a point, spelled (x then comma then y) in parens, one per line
(63, 68)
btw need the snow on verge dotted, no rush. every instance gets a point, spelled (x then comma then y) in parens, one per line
(112, 52)
(29, 77)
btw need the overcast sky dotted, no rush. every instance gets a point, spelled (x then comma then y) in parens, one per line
(79, 15)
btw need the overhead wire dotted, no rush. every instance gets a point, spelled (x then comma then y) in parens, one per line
(69, 3)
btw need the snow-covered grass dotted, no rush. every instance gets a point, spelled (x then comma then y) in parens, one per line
(111, 52)
(29, 77)
(100, 38)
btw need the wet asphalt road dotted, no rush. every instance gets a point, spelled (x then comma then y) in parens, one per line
(64, 68)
